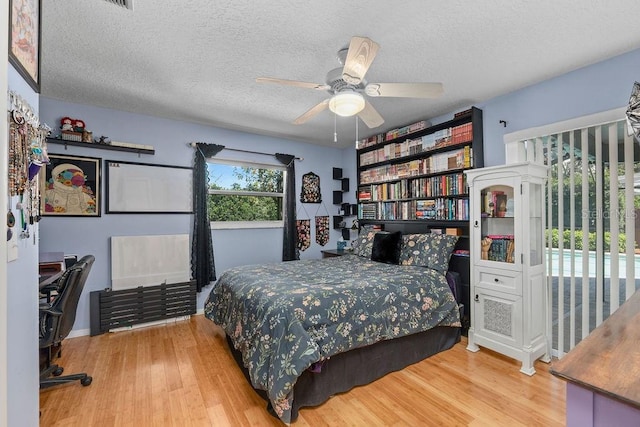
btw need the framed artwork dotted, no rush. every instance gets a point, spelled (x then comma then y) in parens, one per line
(70, 186)
(24, 39)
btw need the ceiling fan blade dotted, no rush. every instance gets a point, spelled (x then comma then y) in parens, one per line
(311, 112)
(405, 90)
(370, 116)
(305, 85)
(361, 53)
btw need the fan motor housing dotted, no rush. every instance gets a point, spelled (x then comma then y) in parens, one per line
(334, 79)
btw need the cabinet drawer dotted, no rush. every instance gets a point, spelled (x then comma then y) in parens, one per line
(500, 280)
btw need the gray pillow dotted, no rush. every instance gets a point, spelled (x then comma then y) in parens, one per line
(364, 243)
(427, 250)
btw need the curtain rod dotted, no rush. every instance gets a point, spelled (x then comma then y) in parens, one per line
(193, 144)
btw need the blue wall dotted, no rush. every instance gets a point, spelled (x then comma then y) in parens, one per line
(169, 138)
(22, 307)
(593, 89)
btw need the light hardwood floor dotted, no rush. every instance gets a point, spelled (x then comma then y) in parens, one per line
(182, 374)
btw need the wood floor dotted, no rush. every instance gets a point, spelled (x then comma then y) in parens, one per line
(182, 374)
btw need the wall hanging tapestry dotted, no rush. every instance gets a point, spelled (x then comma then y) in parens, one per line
(303, 229)
(322, 230)
(322, 226)
(310, 188)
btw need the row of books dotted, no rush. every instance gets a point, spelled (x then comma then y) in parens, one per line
(445, 185)
(446, 137)
(441, 209)
(502, 248)
(461, 158)
(440, 138)
(392, 134)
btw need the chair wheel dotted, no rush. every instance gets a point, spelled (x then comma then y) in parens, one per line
(86, 381)
(58, 372)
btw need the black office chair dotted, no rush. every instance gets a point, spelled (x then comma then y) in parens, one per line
(56, 321)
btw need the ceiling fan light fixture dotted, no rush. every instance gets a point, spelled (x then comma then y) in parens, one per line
(346, 104)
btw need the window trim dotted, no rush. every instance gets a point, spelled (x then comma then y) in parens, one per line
(235, 225)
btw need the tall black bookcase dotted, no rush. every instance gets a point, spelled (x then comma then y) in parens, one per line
(412, 179)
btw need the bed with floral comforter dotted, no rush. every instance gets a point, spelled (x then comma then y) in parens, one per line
(285, 317)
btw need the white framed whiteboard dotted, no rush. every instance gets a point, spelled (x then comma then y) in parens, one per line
(148, 188)
(149, 260)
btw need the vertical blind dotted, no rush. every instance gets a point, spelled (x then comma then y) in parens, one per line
(592, 209)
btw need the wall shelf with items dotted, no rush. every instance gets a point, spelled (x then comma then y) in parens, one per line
(345, 209)
(100, 146)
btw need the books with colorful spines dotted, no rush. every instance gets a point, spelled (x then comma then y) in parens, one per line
(425, 209)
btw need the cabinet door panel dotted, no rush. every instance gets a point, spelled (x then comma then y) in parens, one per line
(498, 317)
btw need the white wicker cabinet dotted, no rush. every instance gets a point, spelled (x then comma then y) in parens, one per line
(509, 295)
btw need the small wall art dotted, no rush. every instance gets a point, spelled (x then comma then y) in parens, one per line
(70, 186)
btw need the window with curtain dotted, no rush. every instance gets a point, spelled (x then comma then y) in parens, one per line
(245, 195)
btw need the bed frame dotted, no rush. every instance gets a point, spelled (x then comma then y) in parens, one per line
(364, 365)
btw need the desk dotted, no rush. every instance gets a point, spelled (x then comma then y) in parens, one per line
(50, 267)
(602, 371)
(46, 279)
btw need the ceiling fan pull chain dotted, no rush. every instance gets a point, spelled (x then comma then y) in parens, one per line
(356, 130)
(335, 130)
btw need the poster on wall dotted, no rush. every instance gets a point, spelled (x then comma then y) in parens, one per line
(24, 39)
(70, 186)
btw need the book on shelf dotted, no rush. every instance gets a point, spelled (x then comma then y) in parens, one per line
(502, 248)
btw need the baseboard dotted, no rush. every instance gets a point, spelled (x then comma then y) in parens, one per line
(84, 332)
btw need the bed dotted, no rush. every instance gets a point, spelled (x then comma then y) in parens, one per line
(305, 330)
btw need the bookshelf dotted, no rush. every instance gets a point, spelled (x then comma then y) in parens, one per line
(413, 178)
(417, 173)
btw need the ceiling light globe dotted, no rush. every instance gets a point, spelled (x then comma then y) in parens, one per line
(346, 104)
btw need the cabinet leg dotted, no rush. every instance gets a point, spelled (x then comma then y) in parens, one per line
(527, 365)
(471, 345)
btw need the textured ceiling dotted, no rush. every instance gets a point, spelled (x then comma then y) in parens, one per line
(197, 60)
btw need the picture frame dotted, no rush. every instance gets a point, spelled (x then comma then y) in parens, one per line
(70, 186)
(24, 39)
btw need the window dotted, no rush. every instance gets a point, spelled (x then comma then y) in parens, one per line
(245, 195)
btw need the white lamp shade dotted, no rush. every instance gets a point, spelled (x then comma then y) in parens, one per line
(346, 104)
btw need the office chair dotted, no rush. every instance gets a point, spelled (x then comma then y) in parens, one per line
(56, 321)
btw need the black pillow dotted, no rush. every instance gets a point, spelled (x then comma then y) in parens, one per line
(386, 247)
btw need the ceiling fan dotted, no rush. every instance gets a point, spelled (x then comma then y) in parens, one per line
(347, 84)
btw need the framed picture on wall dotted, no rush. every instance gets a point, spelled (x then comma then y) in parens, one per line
(24, 39)
(70, 186)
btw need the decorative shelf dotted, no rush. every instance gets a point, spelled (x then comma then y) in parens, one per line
(99, 146)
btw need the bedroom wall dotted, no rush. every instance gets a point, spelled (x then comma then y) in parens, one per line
(170, 137)
(22, 306)
(599, 87)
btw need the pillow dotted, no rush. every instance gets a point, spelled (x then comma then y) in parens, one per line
(427, 250)
(386, 247)
(364, 243)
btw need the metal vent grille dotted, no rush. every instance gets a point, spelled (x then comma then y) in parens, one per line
(128, 4)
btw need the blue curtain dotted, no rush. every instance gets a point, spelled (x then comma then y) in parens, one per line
(289, 244)
(203, 268)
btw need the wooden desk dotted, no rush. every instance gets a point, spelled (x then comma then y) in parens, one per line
(47, 279)
(603, 371)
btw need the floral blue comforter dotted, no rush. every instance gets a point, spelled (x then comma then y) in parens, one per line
(284, 317)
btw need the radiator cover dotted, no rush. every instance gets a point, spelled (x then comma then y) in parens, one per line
(144, 304)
